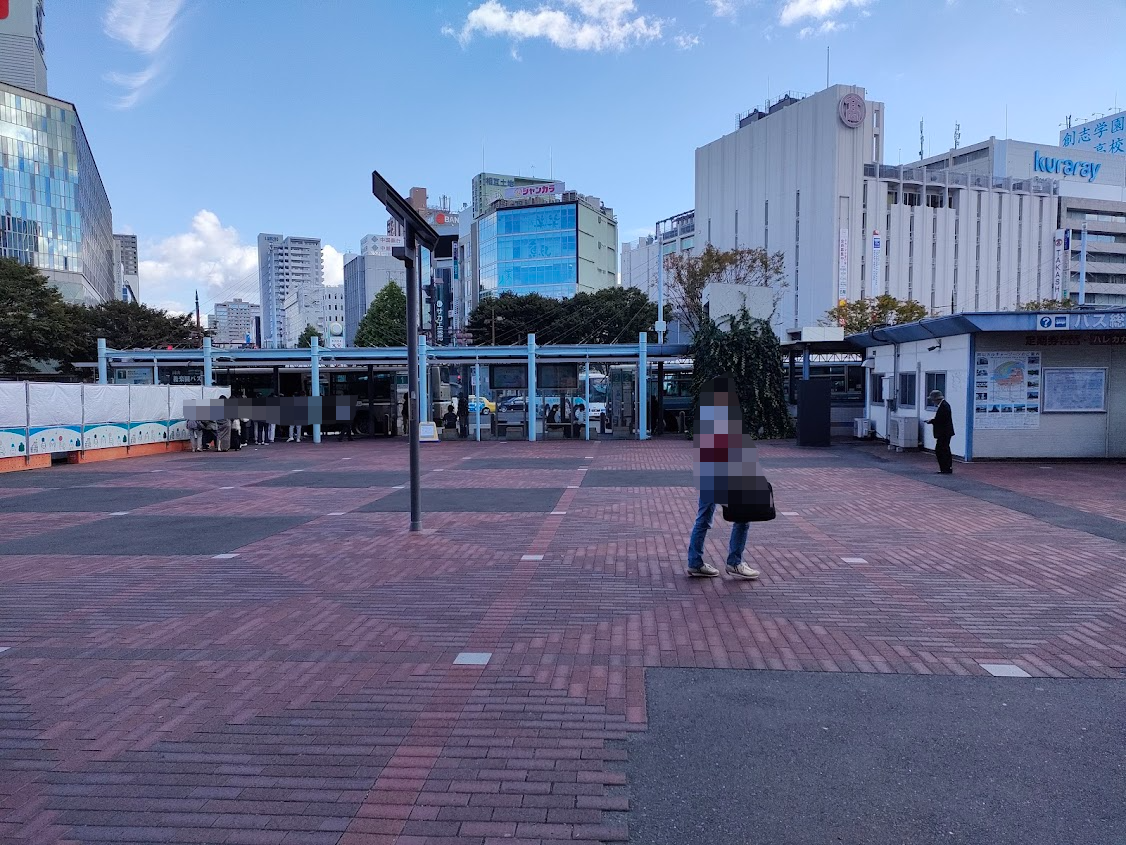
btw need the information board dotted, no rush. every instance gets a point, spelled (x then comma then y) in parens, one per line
(557, 376)
(508, 376)
(1075, 390)
(1006, 390)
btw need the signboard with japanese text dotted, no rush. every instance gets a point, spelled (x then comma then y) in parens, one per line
(1102, 135)
(1006, 390)
(1060, 269)
(842, 265)
(523, 191)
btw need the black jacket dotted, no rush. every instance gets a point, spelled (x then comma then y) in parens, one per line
(943, 422)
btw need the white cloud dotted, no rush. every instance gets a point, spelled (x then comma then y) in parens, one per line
(826, 28)
(210, 258)
(593, 25)
(724, 8)
(686, 42)
(794, 11)
(144, 26)
(334, 265)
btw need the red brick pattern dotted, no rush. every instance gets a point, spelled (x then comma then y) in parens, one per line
(304, 691)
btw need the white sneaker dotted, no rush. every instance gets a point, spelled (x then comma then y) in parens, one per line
(706, 570)
(743, 571)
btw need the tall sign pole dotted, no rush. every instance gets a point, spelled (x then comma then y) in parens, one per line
(408, 255)
(417, 233)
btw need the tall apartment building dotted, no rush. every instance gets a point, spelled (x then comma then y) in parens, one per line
(235, 323)
(125, 268)
(317, 306)
(21, 45)
(285, 265)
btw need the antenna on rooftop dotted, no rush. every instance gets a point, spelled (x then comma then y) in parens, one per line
(921, 154)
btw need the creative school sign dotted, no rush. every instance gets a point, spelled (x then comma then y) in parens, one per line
(1065, 166)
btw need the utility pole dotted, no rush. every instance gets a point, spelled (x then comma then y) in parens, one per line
(494, 322)
(660, 325)
(198, 324)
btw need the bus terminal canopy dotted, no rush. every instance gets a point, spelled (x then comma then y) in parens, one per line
(210, 357)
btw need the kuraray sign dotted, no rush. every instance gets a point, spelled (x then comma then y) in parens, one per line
(1065, 166)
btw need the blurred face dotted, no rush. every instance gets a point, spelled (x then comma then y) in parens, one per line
(726, 457)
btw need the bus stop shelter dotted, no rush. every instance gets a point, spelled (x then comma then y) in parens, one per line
(530, 357)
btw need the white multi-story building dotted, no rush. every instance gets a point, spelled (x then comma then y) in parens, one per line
(285, 266)
(639, 266)
(317, 306)
(235, 323)
(21, 45)
(364, 277)
(125, 268)
(971, 229)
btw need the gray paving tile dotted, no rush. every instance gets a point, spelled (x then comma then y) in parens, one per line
(375, 478)
(90, 499)
(139, 534)
(470, 500)
(735, 757)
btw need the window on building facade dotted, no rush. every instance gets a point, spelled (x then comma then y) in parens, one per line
(934, 381)
(877, 388)
(906, 397)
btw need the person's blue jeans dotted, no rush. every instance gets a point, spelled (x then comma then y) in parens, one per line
(735, 545)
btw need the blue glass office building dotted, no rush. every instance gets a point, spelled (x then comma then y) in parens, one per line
(54, 211)
(553, 249)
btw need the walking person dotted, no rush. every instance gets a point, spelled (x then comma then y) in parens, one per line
(942, 424)
(728, 476)
(406, 413)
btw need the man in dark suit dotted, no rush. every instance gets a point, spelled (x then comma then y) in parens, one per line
(943, 427)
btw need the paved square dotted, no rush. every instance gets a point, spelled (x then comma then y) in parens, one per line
(279, 662)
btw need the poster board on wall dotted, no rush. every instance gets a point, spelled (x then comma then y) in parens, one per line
(13, 419)
(105, 416)
(54, 415)
(1075, 390)
(1007, 389)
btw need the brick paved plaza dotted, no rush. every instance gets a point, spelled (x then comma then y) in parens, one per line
(251, 648)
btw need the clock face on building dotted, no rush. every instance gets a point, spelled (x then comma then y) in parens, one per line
(852, 110)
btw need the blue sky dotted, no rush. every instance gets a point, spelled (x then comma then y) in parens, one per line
(213, 120)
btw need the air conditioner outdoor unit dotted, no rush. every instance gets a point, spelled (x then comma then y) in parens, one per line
(903, 432)
(862, 428)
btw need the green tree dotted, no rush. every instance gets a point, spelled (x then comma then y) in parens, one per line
(1049, 305)
(688, 276)
(508, 319)
(748, 351)
(34, 321)
(129, 325)
(609, 315)
(385, 323)
(863, 314)
(306, 339)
